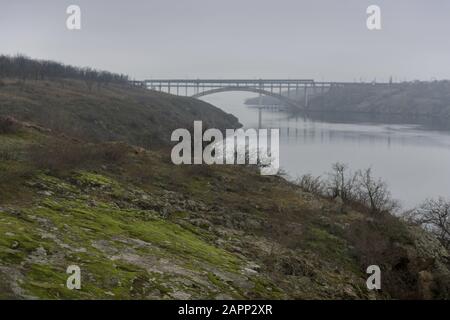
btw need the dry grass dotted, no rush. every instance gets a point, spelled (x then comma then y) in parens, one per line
(57, 155)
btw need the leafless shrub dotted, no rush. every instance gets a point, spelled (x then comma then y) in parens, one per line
(341, 182)
(23, 68)
(8, 125)
(311, 184)
(281, 172)
(434, 216)
(373, 193)
(358, 188)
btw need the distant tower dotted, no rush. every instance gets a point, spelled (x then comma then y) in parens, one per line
(390, 80)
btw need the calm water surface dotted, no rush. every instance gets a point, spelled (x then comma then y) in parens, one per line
(413, 157)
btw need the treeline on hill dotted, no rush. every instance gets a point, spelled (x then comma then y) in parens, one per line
(418, 98)
(424, 99)
(24, 68)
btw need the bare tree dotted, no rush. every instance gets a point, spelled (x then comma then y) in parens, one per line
(311, 184)
(21, 67)
(341, 182)
(374, 193)
(89, 77)
(434, 216)
(358, 188)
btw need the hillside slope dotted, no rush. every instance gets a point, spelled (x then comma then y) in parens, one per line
(142, 228)
(86, 179)
(107, 113)
(429, 99)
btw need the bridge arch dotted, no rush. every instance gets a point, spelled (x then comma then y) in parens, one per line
(289, 102)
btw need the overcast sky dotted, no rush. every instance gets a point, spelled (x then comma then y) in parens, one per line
(320, 39)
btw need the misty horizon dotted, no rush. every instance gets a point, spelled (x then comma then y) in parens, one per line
(324, 40)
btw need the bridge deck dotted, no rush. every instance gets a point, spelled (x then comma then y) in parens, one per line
(251, 82)
(272, 87)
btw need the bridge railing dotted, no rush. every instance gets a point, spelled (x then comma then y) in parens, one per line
(274, 87)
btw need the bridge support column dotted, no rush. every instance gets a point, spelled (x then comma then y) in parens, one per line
(259, 117)
(306, 96)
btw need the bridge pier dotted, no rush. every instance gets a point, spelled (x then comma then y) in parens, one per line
(259, 117)
(260, 107)
(306, 96)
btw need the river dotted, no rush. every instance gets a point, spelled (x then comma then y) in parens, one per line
(412, 156)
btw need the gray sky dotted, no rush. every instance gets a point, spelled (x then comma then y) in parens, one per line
(320, 39)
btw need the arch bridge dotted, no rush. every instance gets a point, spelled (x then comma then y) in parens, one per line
(281, 89)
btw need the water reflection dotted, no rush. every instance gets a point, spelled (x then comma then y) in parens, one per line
(411, 154)
(312, 130)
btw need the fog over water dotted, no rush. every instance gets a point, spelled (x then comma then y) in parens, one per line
(413, 158)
